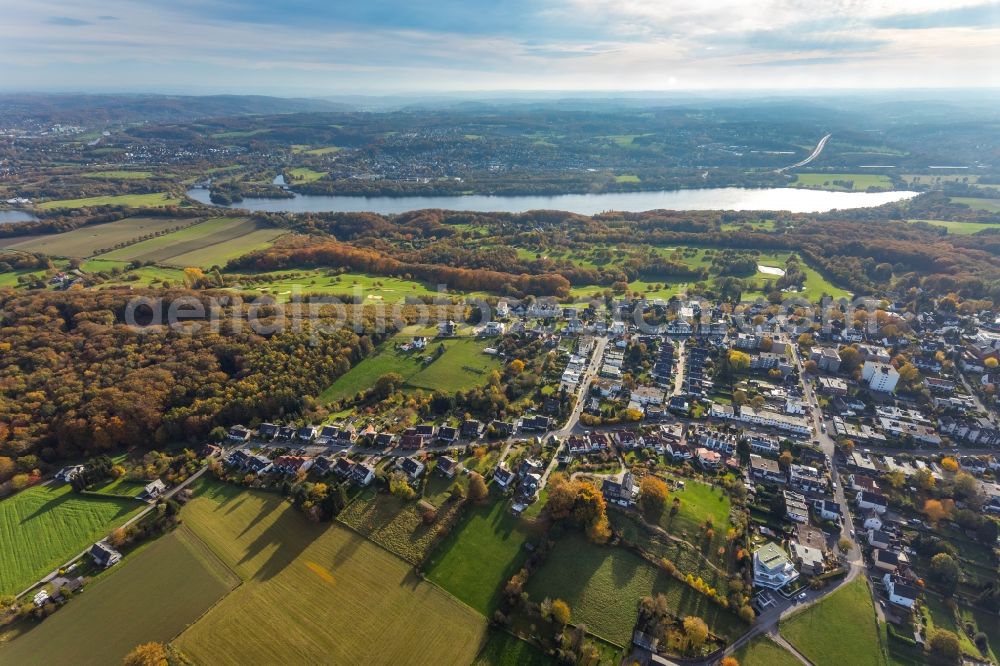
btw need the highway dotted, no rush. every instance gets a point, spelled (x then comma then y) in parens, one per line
(815, 153)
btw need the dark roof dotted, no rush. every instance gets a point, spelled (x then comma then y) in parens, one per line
(886, 556)
(410, 466)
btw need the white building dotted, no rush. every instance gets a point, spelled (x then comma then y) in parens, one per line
(880, 377)
(772, 568)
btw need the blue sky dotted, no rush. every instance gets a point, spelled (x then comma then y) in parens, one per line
(317, 47)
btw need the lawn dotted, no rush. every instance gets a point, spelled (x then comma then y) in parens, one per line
(603, 585)
(762, 651)
(503, 649)
(960, 228)
(43, 526)
(154, 200)
(119, 174)
(988, 205)
(699, 502)
(480, 555)
(627, 178)
(855, 640)
(151, 596)
(208, 243)
(91, 239)
(462, 366)
(862, 181)
(316, 593)
(939, 616)
(394, 524)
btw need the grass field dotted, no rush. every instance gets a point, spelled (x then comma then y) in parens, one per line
(862, 181)
(305, 174)
(627, 178)
(209, 243)
(151, 596)
(88, 240)
(603, 585)
(371, 288)
(392, 523)
(961, 228)
(316, 593)
(855, 640)
(43, 526)
(153, 200)
(988, 205)
(480, 555)
(940, 616)
(762, 651)
(504, 649)
(462, 366)
(119, 174)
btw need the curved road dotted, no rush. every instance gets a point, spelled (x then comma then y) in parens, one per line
(815, 153)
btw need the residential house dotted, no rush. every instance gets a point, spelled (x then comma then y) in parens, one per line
(535, 423)
(69, 473)
(899, 591)
(879, 539)
(872, 520)
(707, 459)
(447, 435)
(796, 507)
(104, 555)
(152, 490)
(765, 470)
(806, 478)
(239, 434)
(267, 431)
(447, 466)
(809, 560)
(362, 474)
(306, 433)
(289, 465)
(885, 560)
(623, 493)
(772, 568)
(503, 477)
(827, 509)
(764, 445)
(471, 429)
(867, 500)
(881, 377)
(412, 467)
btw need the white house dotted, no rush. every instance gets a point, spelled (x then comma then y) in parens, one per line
(874, 501)
(872, 520)
(899, 591)
(772, 568)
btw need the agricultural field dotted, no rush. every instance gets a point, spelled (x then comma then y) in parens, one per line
(603, 585)
(395, 524)
(328, 593)
(89, 240)
(119, 174)
(212, 242)
(462, 366)
(503, 649)
(153, 200)
(43, 526)
(988, 205)
(160, 590)
(855, 641)
(480, 555)
(861, 181)
(961, 228)
(762, 651)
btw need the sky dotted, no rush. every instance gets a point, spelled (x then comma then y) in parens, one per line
(330, 47)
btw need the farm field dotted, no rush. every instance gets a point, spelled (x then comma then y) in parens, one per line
(160, 590)
(205, 244)
(862, 181)
(762, 651)
(462, 366)
(43, 526)
(480, 555)
(153, 200)
(392, 523)
(603, 585)
(330, 595)
(855, 641)
(89, 240)
(959, 227)
(504, 649)
(988, 205)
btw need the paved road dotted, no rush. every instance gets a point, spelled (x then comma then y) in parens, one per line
(679, 378)
(815, 153)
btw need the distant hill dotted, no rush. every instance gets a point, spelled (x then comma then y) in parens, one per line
(91, 110)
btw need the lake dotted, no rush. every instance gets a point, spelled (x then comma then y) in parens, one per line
(724, 198)
(11, 216)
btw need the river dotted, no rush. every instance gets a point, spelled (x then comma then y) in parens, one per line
(724, 198)
(11, 216)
